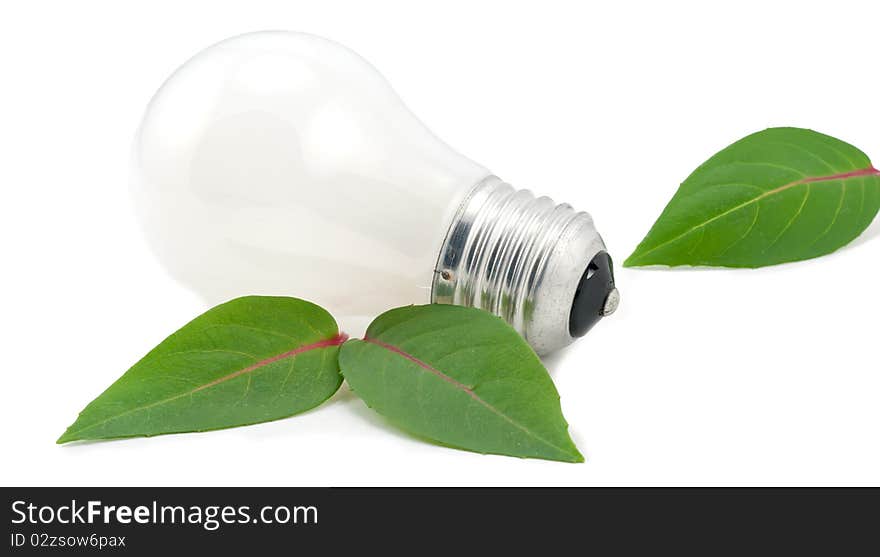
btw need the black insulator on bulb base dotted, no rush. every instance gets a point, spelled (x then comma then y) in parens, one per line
(589, 304)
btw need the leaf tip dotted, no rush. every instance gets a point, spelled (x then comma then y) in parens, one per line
(575, 455)
(632, 260)
(66, 437)
(72, 433)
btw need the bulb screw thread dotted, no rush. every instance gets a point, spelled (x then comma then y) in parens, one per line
(520, 257)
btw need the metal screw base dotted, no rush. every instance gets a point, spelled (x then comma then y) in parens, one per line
(519, 257)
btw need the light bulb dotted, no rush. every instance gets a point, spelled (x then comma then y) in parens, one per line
(281, 163)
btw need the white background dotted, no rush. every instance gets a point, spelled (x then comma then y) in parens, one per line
(702, 377)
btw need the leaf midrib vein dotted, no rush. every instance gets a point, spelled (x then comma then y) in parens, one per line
(803, 181)
(327, 343)
(461, 386)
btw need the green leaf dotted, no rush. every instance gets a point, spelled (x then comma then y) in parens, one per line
(783, 194)
(461, 377)
(250, 360)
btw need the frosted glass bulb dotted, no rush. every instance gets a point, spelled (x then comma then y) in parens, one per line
(282, 163)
